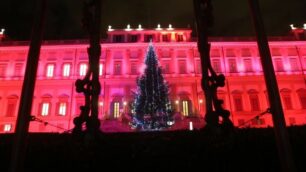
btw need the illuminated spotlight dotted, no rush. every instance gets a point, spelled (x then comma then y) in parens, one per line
(139, 27)
(170, 27)
(124, 103)
(176, 102)
(2, 31)
(128, 28)
(201, 101)
(101, 104)
(158, 27)
(110, 28)
(304, 26)
(190, 126)
(292, 27)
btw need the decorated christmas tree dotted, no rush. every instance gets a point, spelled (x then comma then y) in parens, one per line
(151, 108)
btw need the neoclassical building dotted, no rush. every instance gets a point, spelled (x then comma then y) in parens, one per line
(122, 61)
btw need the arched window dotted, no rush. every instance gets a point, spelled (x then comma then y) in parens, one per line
(286, 98)
(45, 105)
(237, 100)
(11, 107)
(302, 97)
(62, 105)
(254, 100)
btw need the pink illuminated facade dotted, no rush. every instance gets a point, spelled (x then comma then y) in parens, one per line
(122, 60)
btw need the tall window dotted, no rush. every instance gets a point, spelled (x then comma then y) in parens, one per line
(166, 67)
(237, 98)
(11, 106)
(50, 70)
(3, 70)
(232, 66)
(180, 38)
(101, 69)
(302, 97)
(216, 65)
(198, 66)
(185, 108)
(286, 98)
(18, 69)
(254, 101)
(279, 66)
(66, 69)
(165, 38)
(134, 68)
(45, 109)
(83, 69)
(182, 67)
(116, 109)
(62, 109)
(294, 64)
(248, 65)
(117, 68)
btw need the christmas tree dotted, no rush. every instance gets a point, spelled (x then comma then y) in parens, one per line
(152, 108)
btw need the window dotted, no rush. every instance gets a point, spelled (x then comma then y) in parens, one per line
(237, 98)
(62, 110)
(254, 101)
(165, 38)
(11, 106)
(232, 66)
(182, 67)
(133, 38)
(3, 70)
(166, 67)
(18, 69)
(117, 68)
(134, 68)
(100, 69)
(118, 38)
(66, 69)
(302, 97)
(7, 128)
(45, 109)
(248, 65)
(286, 99)
(185, 108)
(216, 65)
(83, 69)
(116, 109)
(148, 38)
(294, 64)
(279, 66)
(180, 38)
(50, 70)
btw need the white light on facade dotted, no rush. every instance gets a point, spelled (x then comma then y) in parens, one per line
(170, 27)
(45, 109)
(101, 69)
(158, 27)
(124, 103)
(128, 28)
(2, 31)
(139, 27)
(190, 126)
(66, 70)
(200, 101)
(110, 28)
(7, 127)
(292, 27)
(50, 70)
(83, 69)
(62, 109)
(176, 102)
(304, 26)
(101, 104)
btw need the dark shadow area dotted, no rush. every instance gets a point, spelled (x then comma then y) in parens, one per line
(245, 150)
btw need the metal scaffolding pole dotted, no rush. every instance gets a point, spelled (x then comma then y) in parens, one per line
(24, 112)
(281, 134)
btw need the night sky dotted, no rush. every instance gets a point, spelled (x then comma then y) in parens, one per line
(231, 16)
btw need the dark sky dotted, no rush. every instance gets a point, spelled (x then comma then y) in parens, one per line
(231, 16)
